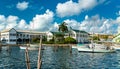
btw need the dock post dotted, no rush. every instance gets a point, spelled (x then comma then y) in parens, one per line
(39, 55)
(70, 48)
(27, 58)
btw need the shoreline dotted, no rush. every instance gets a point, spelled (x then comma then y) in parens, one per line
(64, 45)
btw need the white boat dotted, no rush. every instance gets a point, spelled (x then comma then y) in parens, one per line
(34, 45)
(97, 48)
(116, 47)
(30, 47)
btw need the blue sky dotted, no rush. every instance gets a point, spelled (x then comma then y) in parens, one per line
(99, 16)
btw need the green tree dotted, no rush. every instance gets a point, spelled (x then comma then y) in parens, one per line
(70, 40)
(96, 38)
(58, 37)
(63, 27)
(35, 40)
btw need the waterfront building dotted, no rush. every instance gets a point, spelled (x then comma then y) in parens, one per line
(12, 36)
(79, 35)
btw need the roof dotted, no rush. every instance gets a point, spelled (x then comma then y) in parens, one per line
(80, 31)
(7, 30)
(29, 31)
(57, 32)
(23, 31)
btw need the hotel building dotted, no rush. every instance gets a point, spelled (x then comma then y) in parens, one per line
(12, 36)
(79, 35)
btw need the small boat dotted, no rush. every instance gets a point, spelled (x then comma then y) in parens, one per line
(30, 47)
(116, 47)
(94, 48)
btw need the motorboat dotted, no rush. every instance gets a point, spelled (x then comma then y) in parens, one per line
(30, 47)
(94, 48)
(116, 47)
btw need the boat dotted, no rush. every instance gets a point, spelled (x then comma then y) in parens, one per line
(116, 47)
(94, 48)
(30, 47)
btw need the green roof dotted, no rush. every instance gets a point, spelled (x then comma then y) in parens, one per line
(80, 31)
(57, 32)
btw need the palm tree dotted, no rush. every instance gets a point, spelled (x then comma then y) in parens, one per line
(63, 27)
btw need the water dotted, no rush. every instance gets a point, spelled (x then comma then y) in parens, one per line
(59, 58)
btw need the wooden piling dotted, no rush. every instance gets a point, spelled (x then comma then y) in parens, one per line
(39, 55)
(70, 48)
(27, 58)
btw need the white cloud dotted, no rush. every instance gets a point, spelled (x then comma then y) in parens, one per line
(2, 18)
(118, 19)
(12, 22)
(87, 4)
(95, 24)
(118, 13)
(71, 8)
(22, 25)
(2, 22)
(22, 5)
(54, 27)
(42, 22)
(73, 24)
(68, 8)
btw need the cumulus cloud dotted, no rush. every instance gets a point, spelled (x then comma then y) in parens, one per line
(12, 22)
(54, 27)
(73, 24)
(42, 22)
(22, 24)
(118, 13)
(22, 5)
(71, 8)
(95, 24)
(68, 8)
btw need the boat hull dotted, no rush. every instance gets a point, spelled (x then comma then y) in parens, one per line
(97, 49)
(29, 48)
(94, 50)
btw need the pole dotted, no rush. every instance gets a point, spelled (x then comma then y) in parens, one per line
(27, 58)
(39, 54)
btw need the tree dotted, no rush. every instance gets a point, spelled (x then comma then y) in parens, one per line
(58, 37)
(70, 40)
(96, 38)
(63, 27)
(35, 40)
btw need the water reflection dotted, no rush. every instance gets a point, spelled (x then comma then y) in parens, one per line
(59, 58)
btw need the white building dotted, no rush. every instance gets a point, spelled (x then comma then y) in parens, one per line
(12, 36)
(78, 35)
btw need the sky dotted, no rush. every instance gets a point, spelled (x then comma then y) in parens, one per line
(98, 16)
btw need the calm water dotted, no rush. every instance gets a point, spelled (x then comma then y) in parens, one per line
(59, 58)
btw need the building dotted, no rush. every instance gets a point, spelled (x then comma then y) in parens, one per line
(78, 35)
(12, 36)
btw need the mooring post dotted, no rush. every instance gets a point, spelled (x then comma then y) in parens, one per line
(39, 55)
(70, 48)
(27, 58)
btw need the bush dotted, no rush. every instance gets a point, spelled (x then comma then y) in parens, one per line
(70, 40)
